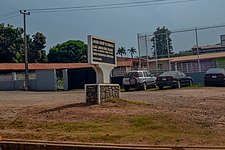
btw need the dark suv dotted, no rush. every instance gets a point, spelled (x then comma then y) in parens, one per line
(138, 79)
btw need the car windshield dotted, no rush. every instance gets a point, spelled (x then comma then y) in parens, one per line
(134, 74)
(215, 70)
(169, 73)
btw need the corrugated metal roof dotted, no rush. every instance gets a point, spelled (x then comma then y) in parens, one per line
(192, 57)
(209, 46)
(43, 66)
(201, 57)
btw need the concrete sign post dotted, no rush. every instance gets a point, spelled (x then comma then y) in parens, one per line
(102, 54)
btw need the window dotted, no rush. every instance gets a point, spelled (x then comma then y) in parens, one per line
(160, 66)
(183, 75)
(145, 74)
(149, 74)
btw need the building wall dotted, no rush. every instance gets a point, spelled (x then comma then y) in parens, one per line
(6, 85)
(192, 66)
(45, 81)
(162, 66)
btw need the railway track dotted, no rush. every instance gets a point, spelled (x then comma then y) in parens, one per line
(9, 144)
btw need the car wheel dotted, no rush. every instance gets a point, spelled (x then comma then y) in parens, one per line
(127, 88)
(145, 87)
(154, 86)
(178, 84)
(133, 81)
(161, 87)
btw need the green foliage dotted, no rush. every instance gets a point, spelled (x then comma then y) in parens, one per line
(161, 35)
(149, 128)
(121, 51)
(132, 51)
(182, 54)
(12, 46)
(72, 51)
(36, 46)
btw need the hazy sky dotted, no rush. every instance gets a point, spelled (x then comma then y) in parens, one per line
(120, 24)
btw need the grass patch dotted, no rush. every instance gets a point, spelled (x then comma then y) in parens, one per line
(150, 129)
(194, 86)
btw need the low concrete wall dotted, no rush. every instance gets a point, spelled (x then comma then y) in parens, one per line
(35, 145)
(19, 84)
(99, 93)
(6, 85)
(198, 77)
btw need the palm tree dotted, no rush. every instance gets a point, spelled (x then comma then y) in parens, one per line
(132, 51)
(121, 51)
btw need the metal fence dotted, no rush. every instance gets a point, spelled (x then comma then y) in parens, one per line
(6, 77)
(198, 49)
(16, 76)
(21, 76)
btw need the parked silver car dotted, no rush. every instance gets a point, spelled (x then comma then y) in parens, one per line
(138, 79)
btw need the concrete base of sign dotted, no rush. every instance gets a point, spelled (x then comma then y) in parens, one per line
(98, 93)
(103, 72)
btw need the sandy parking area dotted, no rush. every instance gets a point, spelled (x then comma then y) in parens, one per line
(201, 103)
(206, 104)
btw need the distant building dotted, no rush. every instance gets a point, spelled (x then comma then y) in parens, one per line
(189, 64)
(208, 49)
(125, 64)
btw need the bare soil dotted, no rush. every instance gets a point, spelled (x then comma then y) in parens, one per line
(205, 104)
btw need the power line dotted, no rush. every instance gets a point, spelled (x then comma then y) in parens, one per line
(8, 14)
(95, 7)
(109, 6)
(9, 17)
(150, 34)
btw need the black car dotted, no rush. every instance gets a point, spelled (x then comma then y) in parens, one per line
(215, 76)
(174, 79)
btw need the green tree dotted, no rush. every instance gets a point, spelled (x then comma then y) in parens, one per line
(121, 51)
(10, 44)
(132, 51)
(36, 52)
(72, 51)
(161, 35)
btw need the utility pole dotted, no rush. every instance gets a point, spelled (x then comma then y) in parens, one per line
(25, 13)
(139, 51)
(168, 49)
(156, 55)
(146, 46)
(196, 38)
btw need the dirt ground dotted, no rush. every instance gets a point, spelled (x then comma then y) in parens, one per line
(202, 104)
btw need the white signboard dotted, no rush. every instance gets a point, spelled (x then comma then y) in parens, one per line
(101, 51)
(222, 37)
